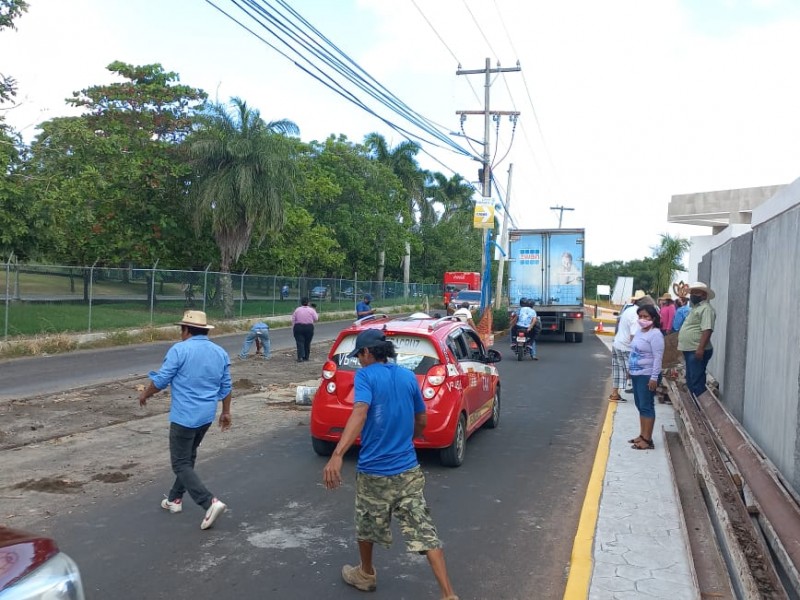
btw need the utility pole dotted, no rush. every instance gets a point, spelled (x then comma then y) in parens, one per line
(486, 175)
(561, 210)
(503, 242)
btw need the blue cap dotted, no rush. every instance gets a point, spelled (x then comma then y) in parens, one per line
(367, 297)
(367, 339)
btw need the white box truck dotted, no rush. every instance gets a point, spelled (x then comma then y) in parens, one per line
(546, 266)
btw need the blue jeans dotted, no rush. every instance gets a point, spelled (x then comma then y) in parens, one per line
(643, 397)
(696, 371)
(261, 334)
(183, 444)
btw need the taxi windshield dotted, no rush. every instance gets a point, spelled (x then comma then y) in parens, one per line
(415, 353)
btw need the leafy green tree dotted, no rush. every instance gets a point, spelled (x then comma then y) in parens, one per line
(110, 184)
(301, 247)
(668, 260)
(643, 272)
(17, 229)
(244, 172)
(9, 11)
(360, 200)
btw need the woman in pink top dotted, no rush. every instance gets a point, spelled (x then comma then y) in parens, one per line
(667, 310)
(303, 319)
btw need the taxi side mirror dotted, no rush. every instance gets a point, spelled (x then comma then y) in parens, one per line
(493, 356)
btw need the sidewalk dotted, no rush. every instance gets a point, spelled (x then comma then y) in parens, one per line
(630, 542)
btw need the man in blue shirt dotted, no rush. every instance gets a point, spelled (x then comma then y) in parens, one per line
(388, 413)
(199, 372)
(680, 314)
(258, 333)
(526, 319)
(363, 308)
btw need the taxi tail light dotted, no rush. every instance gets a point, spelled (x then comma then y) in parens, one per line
(328, 369)
(436, 376)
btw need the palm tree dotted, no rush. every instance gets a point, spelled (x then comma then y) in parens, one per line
(668, 256)
(402, 160)
(454, 195)
(244, 171)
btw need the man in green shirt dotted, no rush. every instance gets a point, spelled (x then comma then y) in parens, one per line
(694, 338)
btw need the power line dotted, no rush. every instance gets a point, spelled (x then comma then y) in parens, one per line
(304, 40)
(458, 62)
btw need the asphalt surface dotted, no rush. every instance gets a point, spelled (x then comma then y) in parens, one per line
(507, 516)
(23, 377)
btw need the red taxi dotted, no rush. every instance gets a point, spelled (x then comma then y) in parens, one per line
(32, 568)
(456, 374)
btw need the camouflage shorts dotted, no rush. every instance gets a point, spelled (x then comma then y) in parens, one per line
(379, 498)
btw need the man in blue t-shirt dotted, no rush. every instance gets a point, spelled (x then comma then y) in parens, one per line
(526, 319)
(363, 309)
(388, 413)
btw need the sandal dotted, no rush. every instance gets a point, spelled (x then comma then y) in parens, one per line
(648, 444)
(616, 398)
(636, 440)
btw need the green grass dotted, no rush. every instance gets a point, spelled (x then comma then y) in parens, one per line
(50, 318)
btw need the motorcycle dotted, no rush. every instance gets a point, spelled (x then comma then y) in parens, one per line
(521, 344)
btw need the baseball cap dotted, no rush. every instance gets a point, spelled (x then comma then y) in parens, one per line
(367, 339)
(367, 297)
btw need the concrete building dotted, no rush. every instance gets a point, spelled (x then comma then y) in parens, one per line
(729, 214)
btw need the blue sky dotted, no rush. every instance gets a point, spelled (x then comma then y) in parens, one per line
(634, 101)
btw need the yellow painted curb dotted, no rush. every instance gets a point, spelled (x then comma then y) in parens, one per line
(580, 570)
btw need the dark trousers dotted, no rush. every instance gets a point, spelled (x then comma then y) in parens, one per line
(183, 444)
(303, 334)
(696, 371)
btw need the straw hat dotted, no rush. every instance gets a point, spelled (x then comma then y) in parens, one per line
(702, 287)
(666, 296)
(195, 318)
(638, 295)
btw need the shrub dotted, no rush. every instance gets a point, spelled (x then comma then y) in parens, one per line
(500, 319)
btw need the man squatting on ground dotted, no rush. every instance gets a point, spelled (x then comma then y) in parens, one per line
(388, 413)
(199, 372)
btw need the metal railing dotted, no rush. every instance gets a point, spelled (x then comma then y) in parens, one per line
(54, 298)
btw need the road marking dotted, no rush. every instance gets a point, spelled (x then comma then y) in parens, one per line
(580, 571)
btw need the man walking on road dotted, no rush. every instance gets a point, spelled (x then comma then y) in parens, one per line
(388, 413)
(199, 372)
(694, 337)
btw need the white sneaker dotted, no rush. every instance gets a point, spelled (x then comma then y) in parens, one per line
(175, 506)
(216, 509)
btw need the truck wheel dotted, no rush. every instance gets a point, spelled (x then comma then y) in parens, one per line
(453, 455)
(569, 337)
(322, 447)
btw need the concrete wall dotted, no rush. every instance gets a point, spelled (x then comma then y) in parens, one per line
(756, 278)
(772, 381)
(719, 282)
(735, 347)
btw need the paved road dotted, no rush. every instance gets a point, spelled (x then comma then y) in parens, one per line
(31, 376)
(508, 515)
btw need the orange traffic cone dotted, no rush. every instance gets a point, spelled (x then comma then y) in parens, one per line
(599, 328)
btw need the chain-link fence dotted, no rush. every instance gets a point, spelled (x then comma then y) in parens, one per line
(52, 298)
